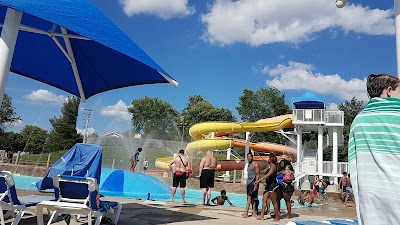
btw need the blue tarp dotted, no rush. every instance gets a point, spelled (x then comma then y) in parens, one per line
(85, 157)
(308, 101)
(108, 60)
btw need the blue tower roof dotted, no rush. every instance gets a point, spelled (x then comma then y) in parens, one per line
(308, 101)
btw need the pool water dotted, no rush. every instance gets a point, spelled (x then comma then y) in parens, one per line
(192, 196)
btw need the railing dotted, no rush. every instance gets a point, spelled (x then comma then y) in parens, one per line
(308, 115)
(298, 169)
(334, 117)
(318, 116)
(327, 167)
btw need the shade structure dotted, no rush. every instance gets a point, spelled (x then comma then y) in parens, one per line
(308, 100)
(73, 46)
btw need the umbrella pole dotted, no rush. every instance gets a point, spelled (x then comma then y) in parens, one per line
(8, 40)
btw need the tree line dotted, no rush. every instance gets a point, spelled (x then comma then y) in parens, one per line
(34, 139)
(153, 117)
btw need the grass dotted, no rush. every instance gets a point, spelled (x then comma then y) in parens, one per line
(43, 157)
(120, 155)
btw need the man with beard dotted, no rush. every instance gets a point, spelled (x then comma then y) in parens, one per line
(253, 174)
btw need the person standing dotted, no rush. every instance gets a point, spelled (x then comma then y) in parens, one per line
(145, 165)
(271, 187)
(374, 153)
(206, 172)
(182, 164)
(253, 174)
(287, 188)
(349, 193)
(135, 160)
(343, 184)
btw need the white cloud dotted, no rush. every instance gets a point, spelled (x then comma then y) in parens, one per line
(90, 131)
(45, 96)
(259, 22)
(300, 76)
(118, 111)
(17, 123)
(161, 8)
(332, 106)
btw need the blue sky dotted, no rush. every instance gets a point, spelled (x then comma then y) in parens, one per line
(217, 48)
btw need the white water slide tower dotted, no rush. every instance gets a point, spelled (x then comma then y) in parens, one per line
(310, 114)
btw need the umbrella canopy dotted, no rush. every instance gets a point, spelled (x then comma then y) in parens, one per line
(73, 46)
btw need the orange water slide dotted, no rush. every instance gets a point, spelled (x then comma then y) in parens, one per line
(230, 165)
(267, 147)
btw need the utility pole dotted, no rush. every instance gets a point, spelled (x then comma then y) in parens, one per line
(183, 125)
(88, 113)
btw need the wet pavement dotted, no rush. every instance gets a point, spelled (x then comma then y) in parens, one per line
(145, 212)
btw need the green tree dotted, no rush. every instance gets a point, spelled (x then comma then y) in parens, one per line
(351, 109)
(7, 114)
(261, 104)
(34, 137)
(64, 134)
(154, 117)
(12, 142)
(200, 110)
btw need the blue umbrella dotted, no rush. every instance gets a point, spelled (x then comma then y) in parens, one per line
(73, 46)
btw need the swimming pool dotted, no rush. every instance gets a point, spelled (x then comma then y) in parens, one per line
(192, 196)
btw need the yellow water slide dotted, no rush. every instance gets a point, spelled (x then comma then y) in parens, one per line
(162, 163)
(200, 132)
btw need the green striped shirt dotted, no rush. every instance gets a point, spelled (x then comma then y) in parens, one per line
(374, 161)
(376, 128)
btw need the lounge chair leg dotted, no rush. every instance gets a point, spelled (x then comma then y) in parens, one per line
(116, 218)
(98, 220)
(18, 216)
(53, 216)
(90, 218)
(2, 216)
(10, 214)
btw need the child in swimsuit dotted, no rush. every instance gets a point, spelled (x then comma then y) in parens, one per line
(287, 175)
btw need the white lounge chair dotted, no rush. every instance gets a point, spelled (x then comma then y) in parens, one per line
(11, 203)
(305, 222)
(340, 222)
(77, 196)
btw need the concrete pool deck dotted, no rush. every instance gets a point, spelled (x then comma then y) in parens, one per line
(157, 212)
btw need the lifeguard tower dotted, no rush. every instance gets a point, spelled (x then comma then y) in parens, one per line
(310, 114)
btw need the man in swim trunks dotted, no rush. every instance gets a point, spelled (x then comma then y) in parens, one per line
(206, 172)
(349, 193)
(253, 174)
(181, 163)
(343, 183)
